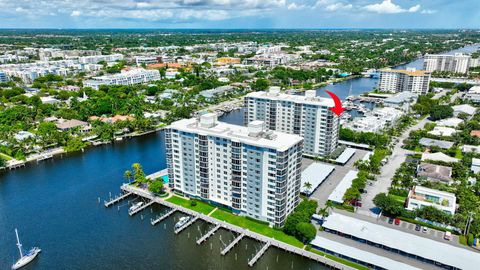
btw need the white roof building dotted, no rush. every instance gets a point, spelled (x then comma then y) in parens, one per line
(341, 188)
(463, 108)
(419, 197)
(315, 174)
(417, 246)
(443, 131)
(366, 124)
(449, 122)
(473, 94)
(131, 77)
(475, 165)
(439, 156)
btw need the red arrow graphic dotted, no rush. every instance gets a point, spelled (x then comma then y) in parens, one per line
(338, 109)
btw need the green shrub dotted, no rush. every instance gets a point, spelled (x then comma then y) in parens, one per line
(193, 203)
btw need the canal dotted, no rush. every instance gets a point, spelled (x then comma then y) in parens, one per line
(54, 206)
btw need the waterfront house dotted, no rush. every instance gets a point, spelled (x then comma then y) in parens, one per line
(65, 125)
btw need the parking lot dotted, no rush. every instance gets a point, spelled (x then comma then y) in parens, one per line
(326, 188)
(430, 233)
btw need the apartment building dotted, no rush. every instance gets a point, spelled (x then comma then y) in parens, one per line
(458, 63)
(94, 59)
(308, 116)
(131, 77)
(3, 77)
(419, 197)
(254, 171)
(410, 80)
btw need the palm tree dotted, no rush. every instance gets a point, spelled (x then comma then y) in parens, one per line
(307, 186)
(127, 175)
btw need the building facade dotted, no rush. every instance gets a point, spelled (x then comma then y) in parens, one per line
(308, 116)
(410, 80)
(458, 63)
(419, 197)
(3, 77)
(253, 171)
(130, 77)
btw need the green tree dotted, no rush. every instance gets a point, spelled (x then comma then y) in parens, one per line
(156, 186)
(441, 112)
(305, 231)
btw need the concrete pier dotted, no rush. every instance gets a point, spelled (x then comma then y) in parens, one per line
(259, 254)
(164, 216)
(232, 244)
(117, 199)
(208, 234)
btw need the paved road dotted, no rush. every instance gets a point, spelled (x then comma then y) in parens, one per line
(326, 188)
(384, 180)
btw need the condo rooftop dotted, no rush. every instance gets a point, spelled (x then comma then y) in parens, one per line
(255, 134)
(309, 97)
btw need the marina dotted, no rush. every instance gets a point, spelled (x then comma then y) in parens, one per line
(194, 216)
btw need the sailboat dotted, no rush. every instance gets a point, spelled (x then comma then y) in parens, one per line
(24, 258)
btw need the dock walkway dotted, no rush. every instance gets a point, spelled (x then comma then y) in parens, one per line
(131, 213)
(240, 230)
(259, 254)
(208, 234)
(117, 199)
(164, 216)
(232, 244)
(190, 222)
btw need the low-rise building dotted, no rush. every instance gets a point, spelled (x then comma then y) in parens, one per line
(475, 165)
(65, 125)
(473, 94)
(435, 173)
(464, 108)
(419, 197)
(439, 156)
(452, 122)
(437, 143)
(131, 77)
(211, 94)
(401, 100)
(443, 131)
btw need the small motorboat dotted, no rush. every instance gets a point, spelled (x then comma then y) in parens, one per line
(24, 258)
(135, 206)
(181, 222)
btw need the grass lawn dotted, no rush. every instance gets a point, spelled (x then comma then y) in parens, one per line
(201, 207)
(398, 198)
(340, 260)
(6, 157)
(256, 227)
(458, 154)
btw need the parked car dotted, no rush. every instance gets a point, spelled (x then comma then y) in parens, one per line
(397, 221)
(424, 229)
(447, 236)
(390, 220)
(417, 228)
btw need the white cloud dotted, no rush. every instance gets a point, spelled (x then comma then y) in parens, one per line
(414, 8)
(75, 13)
(428, 11)
(388, 7)
(338, 6)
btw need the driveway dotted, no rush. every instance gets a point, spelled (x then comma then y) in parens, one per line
(384, 180)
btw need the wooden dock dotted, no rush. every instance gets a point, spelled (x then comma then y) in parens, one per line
(190, 222)
(208, 234)
(131, 213)
(259, 237)
(162, 217)
(232, 244)
(117, 199)
(259, 254)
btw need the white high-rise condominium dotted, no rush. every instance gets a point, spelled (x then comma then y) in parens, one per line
(410, 80)
(251, 170)
(308, 116)
(458, 63)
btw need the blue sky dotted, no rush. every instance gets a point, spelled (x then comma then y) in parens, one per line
(240, 14)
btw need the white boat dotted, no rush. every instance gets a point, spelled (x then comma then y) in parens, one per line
(25, 258)
(135, 206)
(181, 222)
